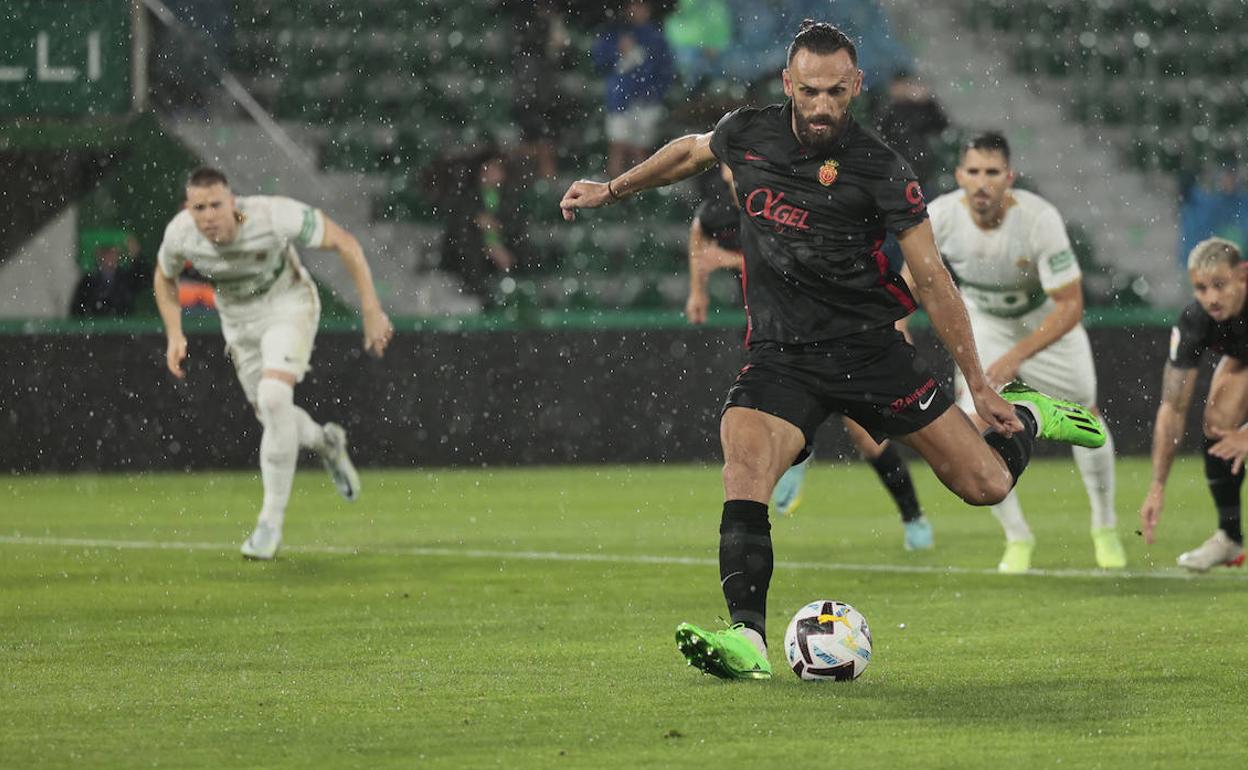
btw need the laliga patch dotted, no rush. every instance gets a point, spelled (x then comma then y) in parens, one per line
(1174, 343)
(828, 172)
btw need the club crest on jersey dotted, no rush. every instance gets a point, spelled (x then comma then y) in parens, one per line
(828, 172)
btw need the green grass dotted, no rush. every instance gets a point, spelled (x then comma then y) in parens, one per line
(392, 634)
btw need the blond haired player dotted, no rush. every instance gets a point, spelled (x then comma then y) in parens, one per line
(1217, 321)
(269, 313)
(1009, 252)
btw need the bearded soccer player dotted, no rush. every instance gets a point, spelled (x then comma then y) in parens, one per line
(714, 244)
(1010, 255)
(269, 306)
(1216, 322)
(818, 194)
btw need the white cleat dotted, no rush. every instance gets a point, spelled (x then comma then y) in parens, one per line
(263, 542)
(338, 462)
(1217, 550)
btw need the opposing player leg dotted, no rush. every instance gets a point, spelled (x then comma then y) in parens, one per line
(286, 333)
(758, 447)
(279, 455)
(1226, 409)
(895, 476)
(1066, 370)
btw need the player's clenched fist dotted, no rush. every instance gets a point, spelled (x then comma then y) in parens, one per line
(175, 354)
(584, 194)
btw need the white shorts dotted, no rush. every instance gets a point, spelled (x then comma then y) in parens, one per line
(1063, 369)
(638, 125)
(275, 331)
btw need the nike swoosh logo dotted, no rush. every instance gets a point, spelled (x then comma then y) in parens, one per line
(925, 403)
(752, 156)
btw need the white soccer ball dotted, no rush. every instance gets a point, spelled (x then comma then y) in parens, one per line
(828, 640)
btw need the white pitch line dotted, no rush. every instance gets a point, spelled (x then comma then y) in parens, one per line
(474, 553)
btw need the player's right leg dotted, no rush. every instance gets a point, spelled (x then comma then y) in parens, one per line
(758, 447)
(286, 329)
(1225, 409)
(1019, 542)
(895, 476)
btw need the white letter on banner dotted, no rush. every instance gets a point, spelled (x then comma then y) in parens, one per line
(45, 72)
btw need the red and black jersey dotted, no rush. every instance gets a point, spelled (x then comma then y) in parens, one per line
(1197, 332)
(812, 227)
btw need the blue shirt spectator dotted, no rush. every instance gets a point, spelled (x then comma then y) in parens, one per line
(636, 60)
(764, 29)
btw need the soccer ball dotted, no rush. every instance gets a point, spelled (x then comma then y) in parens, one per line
(828, 640)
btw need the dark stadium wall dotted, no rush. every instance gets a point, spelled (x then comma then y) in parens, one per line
(105, 402)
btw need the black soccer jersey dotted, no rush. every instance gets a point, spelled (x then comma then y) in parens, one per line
(812, 227)
(1197, 332)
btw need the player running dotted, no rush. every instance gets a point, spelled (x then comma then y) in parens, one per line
(269, 313)
(1009, 253)
(818, 193)
(1217, 322)
(714, 244)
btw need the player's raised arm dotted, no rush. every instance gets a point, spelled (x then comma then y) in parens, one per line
(1177, 387)
(939, 297)
(678, 159)
(377, 327)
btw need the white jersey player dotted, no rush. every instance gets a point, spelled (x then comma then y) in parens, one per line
(269, 310)
(1010, 254)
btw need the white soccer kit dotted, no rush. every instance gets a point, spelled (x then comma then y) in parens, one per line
(268, 303)
(1004, 275)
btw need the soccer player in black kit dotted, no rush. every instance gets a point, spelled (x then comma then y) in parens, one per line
(1218, 322)
(818, 193)
(715, 243)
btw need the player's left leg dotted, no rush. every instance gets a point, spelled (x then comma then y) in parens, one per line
(1226, 409)
(895, 476)
(1066, 370)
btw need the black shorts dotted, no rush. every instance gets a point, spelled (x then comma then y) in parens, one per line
(876, 378)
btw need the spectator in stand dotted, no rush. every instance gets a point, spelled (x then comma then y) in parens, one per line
(760, 27)
(485, 234)
(1216, 203)
(540, 52)
(909, 120)
(637, 63)
(699, 32)
(109, 289)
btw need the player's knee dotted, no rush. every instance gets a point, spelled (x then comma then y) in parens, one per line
(273, 399)
(986, 488)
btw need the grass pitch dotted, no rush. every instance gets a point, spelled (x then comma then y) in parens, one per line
(524, 618)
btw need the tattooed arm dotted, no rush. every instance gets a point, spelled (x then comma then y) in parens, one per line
(1177, 386)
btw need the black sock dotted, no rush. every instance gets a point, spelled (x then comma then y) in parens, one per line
(895, 476)
(745, 562)
(1224, 486)
(1015, 450)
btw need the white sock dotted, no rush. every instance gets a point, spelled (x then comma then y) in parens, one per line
(311, 432)
(1010, 514)
(279, 447)
(1097, 468)
(756, 638)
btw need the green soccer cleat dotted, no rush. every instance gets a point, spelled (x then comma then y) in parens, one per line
(726, 654)
(1109, 553)
(1017, 557)
(1059, 420)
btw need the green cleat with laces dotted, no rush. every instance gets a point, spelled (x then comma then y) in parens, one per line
(726, 654)
(1060, 420)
